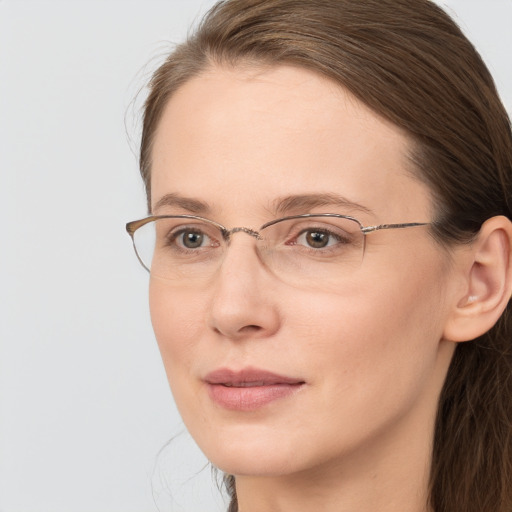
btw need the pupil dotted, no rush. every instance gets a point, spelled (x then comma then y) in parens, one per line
(317, 239)
(192, 240)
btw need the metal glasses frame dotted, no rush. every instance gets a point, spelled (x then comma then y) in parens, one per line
(131, 227)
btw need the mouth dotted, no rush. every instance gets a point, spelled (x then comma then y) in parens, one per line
(249, 389)
(247, 384)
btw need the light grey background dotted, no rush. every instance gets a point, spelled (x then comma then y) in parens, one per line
(84, 404)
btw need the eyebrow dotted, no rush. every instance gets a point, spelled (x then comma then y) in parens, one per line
(304, 202)
(299, 203)
(184, 203)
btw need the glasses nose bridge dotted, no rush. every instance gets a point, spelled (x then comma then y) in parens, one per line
(256, 235)
(240, 229)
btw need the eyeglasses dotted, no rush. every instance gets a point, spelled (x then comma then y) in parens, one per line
(307, 250)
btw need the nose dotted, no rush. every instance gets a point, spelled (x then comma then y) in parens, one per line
(243, 303)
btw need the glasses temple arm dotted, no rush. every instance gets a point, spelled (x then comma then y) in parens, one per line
(370, 229)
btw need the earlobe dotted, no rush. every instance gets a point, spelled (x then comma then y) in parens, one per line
(488, 282)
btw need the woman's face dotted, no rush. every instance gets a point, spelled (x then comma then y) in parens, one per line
(273, 377)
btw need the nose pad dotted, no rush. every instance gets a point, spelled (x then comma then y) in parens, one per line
(243, 303)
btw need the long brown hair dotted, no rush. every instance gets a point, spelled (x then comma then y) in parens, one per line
(410, 63)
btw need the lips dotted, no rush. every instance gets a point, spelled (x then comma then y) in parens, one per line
(248, 377)
(250, 388)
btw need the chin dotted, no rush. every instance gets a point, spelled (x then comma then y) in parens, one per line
(249, 451)
(255, 464)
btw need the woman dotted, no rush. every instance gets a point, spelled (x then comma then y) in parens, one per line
(355, 354)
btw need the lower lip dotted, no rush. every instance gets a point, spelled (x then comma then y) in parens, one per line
(250, 398)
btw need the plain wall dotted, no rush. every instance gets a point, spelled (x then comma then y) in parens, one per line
(84, 403)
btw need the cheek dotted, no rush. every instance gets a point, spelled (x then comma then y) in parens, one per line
(178, 319)
(377, 341)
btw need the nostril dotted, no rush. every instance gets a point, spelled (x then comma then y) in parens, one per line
(245, 330)
(250, 328)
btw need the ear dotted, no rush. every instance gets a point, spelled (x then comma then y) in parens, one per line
(487, 282)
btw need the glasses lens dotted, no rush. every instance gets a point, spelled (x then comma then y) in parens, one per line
(314, 250)
(179, 248)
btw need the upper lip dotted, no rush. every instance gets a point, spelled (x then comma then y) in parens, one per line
(247, 376)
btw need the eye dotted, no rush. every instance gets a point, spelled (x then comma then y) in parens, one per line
(176, 242)
(317, 238)
(187, 239)
(191, 238)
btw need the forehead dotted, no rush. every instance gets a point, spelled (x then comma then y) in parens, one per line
(240, 138)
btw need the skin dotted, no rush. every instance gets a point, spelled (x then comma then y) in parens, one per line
(357, 436)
